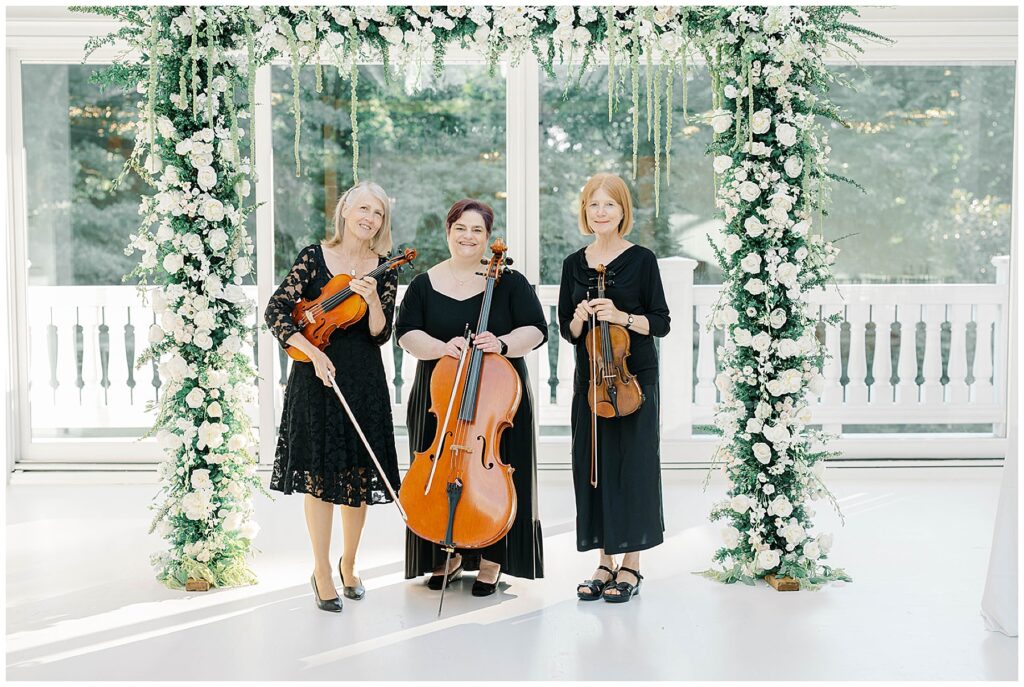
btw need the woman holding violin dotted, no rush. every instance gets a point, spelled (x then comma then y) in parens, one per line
(319, 452)
(611, 306)
(432, 320)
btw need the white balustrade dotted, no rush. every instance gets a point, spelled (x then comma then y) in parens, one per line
(105, 403)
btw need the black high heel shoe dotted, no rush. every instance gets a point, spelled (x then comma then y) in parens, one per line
(626, 590)
(486, 588)
(331, 605)
(437, 579)
(354, 593)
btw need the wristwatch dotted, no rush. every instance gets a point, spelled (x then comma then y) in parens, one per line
(629, 322)
(504, 346)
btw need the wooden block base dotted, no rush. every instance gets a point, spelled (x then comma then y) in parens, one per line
(783, 584)
(197, 586)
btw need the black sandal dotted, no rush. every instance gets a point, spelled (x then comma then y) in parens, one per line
(626, 590)
(595, 588)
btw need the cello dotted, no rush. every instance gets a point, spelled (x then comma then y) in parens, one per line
(458, 493)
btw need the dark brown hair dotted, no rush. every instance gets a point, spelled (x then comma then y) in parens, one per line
(469, 205)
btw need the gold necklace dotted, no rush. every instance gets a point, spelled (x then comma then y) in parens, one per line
(460, 282)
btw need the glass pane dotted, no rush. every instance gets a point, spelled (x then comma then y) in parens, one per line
(577, 140)
(426, 147)
(933, 146)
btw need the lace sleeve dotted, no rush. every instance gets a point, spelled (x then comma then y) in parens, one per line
(278, 314)
(388, 293)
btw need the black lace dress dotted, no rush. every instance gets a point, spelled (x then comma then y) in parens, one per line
(318, 449)
(520, 552)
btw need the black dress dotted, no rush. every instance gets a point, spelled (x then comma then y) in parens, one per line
(623, 513)
(514, 305)
(318, 449)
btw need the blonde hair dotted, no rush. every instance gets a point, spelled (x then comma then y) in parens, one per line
(614, 186)
(381, 243)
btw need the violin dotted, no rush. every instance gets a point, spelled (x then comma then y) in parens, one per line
(613, 391)
(458, 492)
(337, 306)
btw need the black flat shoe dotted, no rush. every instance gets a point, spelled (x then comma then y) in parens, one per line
(626, 590)
(595, 588)
(331, 605)
(486, 588)
(354, 593)
(436, 581)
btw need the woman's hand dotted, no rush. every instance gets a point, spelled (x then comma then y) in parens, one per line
(583, 311)
(454, 346)
(487, 342)
(367, 288)
(606, 311)
(323, 366)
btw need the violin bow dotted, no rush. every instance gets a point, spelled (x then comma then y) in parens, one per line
(369, 449)
(593, 406)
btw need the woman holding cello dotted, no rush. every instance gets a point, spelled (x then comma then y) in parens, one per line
(611, 305)
(319, 452)
(435, 313)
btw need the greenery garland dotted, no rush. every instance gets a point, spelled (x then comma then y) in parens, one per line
(196, 254)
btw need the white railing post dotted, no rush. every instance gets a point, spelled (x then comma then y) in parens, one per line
(906, 389)
(1002, 335)
(959, 316)
(882, 390)
(676, 361)
(932, 390)
(857, 366)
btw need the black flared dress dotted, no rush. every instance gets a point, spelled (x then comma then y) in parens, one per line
(514, 305)
(318, 449)
(624, 512)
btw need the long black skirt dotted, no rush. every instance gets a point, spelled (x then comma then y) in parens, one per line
(521, 552)
(624, 512)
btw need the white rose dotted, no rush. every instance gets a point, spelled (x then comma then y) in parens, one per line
(195, 398)
(794, 165)
(786, 134)
(205, 319)
(768, 489)
(762, 342)
(200, 479)
(210, 435)
(721, 163)
(749, 191)
(212, 210)
(730, 536)
(206, 178)
(754, 426)
(730, 91)
(166, 127)
(241, 267)
(761, 121)
(801, 228)
(732, 244)
(777, 434)
(768, 559)
(721, 121)
(787, 274)
(728, 314)
(763, 452)
(159, 300)
(825, 542)
(753, 226)
(741, 336)
(214, 410)
(812, 550)
(156, 334)
(196, 505)
(192, 243)
(232, 344)
(173, 262)
(203, 340)
(236, 442)
(754, 287)
(751, 263)
(762, 410)
(215, 379)
(217, 239)
(305, 31)
(777, 318)
(740, 503)
(249, 530)
(233, 521)
(816, 384)
(787, 348)
(781, 507)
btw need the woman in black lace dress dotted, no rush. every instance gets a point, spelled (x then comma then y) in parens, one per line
(434, 313)
(319, 452)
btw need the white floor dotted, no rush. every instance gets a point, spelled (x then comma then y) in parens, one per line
(82, 603)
